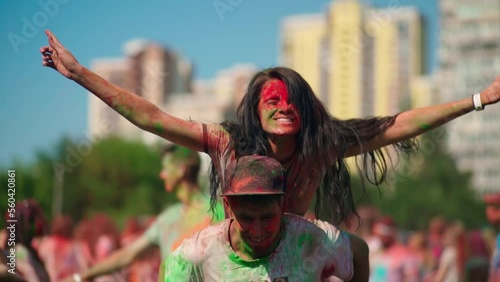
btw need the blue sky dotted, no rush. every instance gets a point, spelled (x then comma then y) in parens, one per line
(39, 106)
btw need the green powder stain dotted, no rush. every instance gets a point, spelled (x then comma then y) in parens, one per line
(425, 126)
(304, 238)
(252, 263)
(182, 152)
(177, 267)
(159, 127)
(124, 111)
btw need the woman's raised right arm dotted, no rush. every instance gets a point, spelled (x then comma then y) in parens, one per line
(136, 109)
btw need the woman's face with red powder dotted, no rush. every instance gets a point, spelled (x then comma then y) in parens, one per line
(277, 115)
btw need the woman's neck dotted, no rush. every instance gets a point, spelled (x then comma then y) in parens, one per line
(282, 148)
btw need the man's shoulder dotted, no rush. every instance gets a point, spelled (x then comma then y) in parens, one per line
(212, 231)
(204, 240)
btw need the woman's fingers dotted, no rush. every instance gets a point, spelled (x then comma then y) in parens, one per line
(46, 50)
(54, 42)
(49, 64)
(52, 37)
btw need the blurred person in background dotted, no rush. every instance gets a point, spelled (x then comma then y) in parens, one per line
(392, 262)
(81, 239)
(451, 264)
(145, 266)
(280, 116)
(59, 252)
(105, 237)
(180, 171)
(477, 263)
(139, 268)
(363, 226)
(492, 202)
(131, 231)
(30, 224)
(435, 233)
(104, 240)
(417, 245)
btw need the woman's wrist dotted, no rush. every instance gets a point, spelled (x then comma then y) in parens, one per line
(77, 72)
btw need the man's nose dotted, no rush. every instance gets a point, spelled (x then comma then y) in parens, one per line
(284, 106)
(257, 230)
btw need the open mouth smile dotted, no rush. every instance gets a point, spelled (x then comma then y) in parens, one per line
(257, 240)
(285, 119)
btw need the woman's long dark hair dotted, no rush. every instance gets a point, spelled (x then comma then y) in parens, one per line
(322, 138)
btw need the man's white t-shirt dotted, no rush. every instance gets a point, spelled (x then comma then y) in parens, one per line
(308, 251)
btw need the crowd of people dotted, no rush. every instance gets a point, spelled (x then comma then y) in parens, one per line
(445, 251)
(283, 151)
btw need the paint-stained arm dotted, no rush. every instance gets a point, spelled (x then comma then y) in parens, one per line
(414, 122)
(133, 107)
(117, 260)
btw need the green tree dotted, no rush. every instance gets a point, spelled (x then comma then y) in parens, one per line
(31, 181)
(113, 176)
(120, 178)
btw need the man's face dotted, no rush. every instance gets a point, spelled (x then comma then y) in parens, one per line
(493, 213)
(277, 115)
(171, 172)
(258, 225)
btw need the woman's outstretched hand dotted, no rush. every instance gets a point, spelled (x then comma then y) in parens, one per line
(492, 93)
(58, 57)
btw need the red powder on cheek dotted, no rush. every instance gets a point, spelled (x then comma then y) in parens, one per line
(273, 226)
(271, 229)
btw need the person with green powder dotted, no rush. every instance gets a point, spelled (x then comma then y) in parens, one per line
(180, 169)
(259, 241)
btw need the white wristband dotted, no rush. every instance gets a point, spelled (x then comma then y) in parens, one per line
(476, 100)
(77, 277)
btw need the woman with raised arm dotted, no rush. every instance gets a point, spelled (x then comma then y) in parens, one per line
(280, 117)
